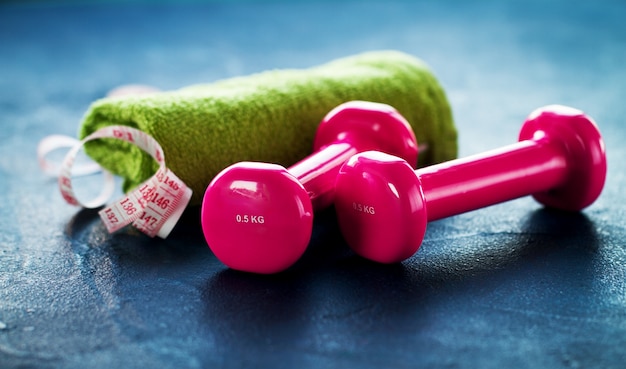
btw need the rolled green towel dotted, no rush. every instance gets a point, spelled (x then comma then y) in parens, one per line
(270, 117)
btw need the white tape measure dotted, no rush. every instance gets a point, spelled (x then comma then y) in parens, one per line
(153, 207)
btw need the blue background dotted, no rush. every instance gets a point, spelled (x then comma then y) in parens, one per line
(512, 285)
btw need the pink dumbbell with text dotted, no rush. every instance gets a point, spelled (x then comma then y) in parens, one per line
(383, 205)
(258, 217)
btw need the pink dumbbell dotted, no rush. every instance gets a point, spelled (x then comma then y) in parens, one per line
(383, 205)
(258, 217)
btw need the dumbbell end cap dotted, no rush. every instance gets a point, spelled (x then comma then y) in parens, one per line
(256, 217)
(585, 155)
(380, 207)
(373, 125)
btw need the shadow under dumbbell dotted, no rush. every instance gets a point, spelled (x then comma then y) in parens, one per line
(443, 256)
(546, 239)
(333, 298)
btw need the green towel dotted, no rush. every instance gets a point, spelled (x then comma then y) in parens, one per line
(269, 117)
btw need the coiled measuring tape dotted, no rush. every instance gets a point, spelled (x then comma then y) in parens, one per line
(154, 207)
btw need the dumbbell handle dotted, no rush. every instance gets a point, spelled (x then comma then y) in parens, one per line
(492, 177)
(318, 171)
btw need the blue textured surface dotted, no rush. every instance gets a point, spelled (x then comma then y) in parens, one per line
(512, 285)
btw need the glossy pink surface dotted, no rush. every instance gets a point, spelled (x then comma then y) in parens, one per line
(380, 207)
(560, 160)
(248, 222)
(585, 153)
(258, 217)
(348, 129)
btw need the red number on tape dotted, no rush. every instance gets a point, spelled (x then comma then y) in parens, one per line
(153, 207)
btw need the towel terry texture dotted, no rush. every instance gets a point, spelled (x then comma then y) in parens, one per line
(270, 117)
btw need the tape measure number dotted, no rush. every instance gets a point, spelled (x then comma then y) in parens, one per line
(154, 207)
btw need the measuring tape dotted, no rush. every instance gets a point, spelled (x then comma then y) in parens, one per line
(153, 207)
